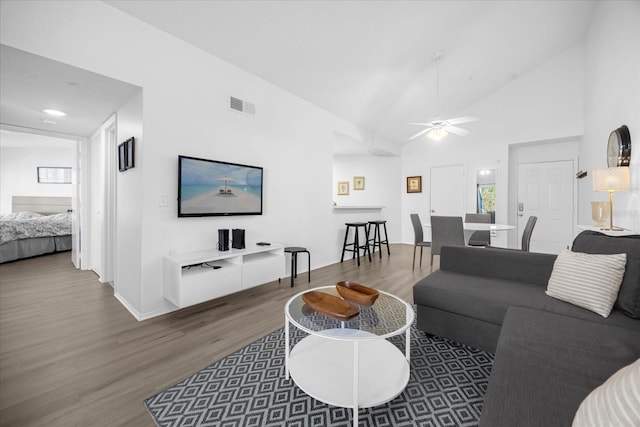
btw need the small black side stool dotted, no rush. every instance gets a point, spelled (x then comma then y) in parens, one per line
(355, 246)
(294, 251)
(377, 237)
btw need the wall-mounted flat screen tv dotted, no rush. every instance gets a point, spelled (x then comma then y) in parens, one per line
(214, 188)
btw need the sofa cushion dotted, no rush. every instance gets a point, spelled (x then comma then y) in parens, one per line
(546, 364)
(587, 280)
(488, 299)
(615, 403)
(593, 242)
(498, 263)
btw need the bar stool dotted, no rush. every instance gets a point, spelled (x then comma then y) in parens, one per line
(355, 245)
(294, 251)
(377, 237)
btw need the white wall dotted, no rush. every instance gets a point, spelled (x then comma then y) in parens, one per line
(18, 166)
(129, 205)
(185, 98)
(544, 104)
(383, 185)
(612, 98)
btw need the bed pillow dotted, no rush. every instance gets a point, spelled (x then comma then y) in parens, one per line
(614, 403)
(19, 216)
(586, 280)
(55, 217)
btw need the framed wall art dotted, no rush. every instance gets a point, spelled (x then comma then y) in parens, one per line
(126, 155)
(343, 188)
(122, 157)
(130, 144)
(414, 184)
(358, 183)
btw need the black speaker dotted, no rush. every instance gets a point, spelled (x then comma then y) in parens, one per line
(237, 238)
(223, 239)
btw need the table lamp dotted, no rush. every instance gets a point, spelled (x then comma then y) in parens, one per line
(611, 179)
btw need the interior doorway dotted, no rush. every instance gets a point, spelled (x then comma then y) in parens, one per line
(545, 190)
(447, 190)
(551, 166)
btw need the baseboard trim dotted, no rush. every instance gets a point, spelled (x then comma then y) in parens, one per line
(141, 316)
(128, 306)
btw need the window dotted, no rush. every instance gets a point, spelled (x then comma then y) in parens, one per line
(48, 175)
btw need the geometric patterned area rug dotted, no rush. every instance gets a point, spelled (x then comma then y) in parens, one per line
(446, 387)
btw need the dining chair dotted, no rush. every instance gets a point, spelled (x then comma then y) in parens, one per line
(418, 238)
(526, 234)
(479, 238)
(445, 231)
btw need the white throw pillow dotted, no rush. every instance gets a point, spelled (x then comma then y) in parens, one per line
(587, 280)
(615, 403)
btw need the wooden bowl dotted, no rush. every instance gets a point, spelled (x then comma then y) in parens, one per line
(357, 293)
(330, 305)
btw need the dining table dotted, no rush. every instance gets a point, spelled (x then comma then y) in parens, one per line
(471, 227)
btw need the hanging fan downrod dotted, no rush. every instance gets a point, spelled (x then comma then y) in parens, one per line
(437, 128)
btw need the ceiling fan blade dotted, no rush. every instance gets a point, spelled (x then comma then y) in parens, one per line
(422, 132)
(422, 124)
(456, 130)
(459, 120)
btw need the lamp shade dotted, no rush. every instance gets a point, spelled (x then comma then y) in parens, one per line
(611, 179)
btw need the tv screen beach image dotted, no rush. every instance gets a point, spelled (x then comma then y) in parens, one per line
(209, 187)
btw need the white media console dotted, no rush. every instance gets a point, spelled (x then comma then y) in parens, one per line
(194, 277)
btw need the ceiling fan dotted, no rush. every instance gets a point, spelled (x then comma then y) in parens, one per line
(438, 129)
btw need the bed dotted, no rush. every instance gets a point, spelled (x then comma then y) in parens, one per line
(37, 226)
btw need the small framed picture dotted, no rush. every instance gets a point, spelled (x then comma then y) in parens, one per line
(343, 188)
(122, 157)
(130, 144)
(414, 184)
(358, 183)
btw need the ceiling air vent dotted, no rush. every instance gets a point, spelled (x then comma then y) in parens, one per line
(245, 107)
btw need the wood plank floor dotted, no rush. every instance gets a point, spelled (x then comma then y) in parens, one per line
(71, 355)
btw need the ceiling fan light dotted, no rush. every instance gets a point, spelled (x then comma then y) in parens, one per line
(436, 134)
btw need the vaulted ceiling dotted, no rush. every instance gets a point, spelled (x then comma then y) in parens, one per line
(371, 61)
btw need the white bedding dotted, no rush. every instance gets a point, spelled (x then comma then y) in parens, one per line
(26, 225)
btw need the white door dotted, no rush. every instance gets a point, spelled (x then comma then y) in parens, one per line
(109, 217)
(546, 190)
(75, 205)
(447, 190)
(97, 201)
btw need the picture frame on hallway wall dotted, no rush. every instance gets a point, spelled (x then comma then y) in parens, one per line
(122, 157)
(131, 150)
(343, 188)
(414, 184)
(358, 183)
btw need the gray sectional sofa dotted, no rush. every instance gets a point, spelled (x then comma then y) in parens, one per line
(549, 354)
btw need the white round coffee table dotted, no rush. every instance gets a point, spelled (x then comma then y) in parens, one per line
(349, 363)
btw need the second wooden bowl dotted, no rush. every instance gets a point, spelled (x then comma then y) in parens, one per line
(357, 293)
(330, 305)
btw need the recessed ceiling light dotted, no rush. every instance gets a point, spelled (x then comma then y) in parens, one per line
(56, 113)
